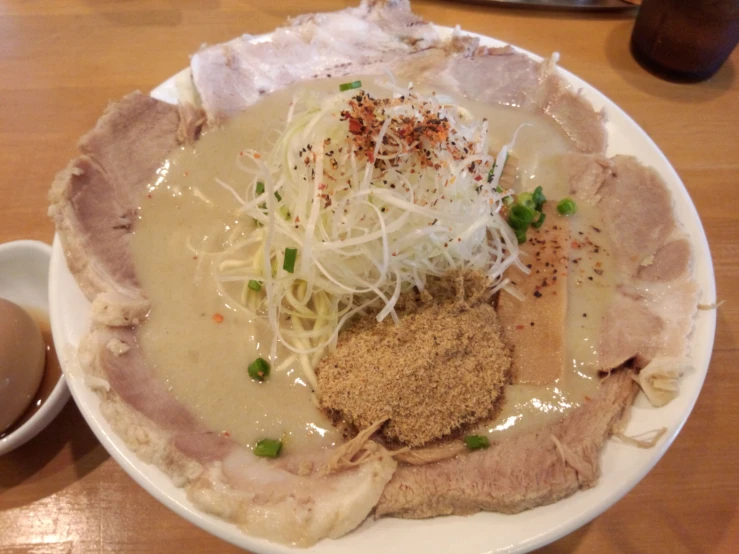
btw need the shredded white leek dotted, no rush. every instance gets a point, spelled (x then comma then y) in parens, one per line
(375, 194)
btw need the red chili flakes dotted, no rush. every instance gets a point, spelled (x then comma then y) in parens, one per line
(575, 244)
(257, 155)
(148, 195)
(520, 327)
(194, 257)
(225, 434)
(217, 318)
(355, 127)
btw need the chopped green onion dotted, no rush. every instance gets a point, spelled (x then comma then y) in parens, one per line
(350, 86)
(267, 448)
(539, 222)
(520, 235)
(255, 285)
(263, 206)
(526, 199)
(567, 206)
(259, 369)
(539, 199)
(520, 217)
(291, 255)
(476, 442)
(284, 212)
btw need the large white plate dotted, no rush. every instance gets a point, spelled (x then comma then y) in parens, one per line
(623, 466)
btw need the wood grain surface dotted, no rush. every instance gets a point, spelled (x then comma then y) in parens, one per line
(61, 61)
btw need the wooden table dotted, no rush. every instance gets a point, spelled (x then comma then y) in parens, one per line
(60, 63)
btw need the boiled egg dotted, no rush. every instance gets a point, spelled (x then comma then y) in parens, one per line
(22, 359)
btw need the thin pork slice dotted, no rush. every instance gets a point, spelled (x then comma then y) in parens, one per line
(298, 499)
(627, 328)
(671, 262)
(654, 304)
(494, 76)
(585, 174)
(507, 77)
(231, 76)
(574, 113)
(637, 211)
(94, 201)
(516, 474)
(385, 35)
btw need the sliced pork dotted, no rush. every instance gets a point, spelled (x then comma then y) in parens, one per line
(637, 212)
(232, 76)
(516, 474)
(652, 311)
(507, 77)
(298, 500)
(94, 201)
(385, 36)
(573, 113)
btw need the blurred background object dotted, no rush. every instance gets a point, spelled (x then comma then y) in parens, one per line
(685, 40)
(588, 5)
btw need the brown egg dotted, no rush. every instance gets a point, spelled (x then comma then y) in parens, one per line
(22, 358)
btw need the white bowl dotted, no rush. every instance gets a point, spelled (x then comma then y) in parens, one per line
(24, 278)
(623, 466)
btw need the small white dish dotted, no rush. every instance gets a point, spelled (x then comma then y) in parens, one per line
(24, 278)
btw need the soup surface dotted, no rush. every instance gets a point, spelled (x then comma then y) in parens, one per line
(200, 342)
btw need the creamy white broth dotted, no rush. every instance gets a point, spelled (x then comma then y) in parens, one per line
(529, 407)
(204, 362)
(591, 285)
(592, 271)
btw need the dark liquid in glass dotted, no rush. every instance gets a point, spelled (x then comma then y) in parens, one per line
(685, 40)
